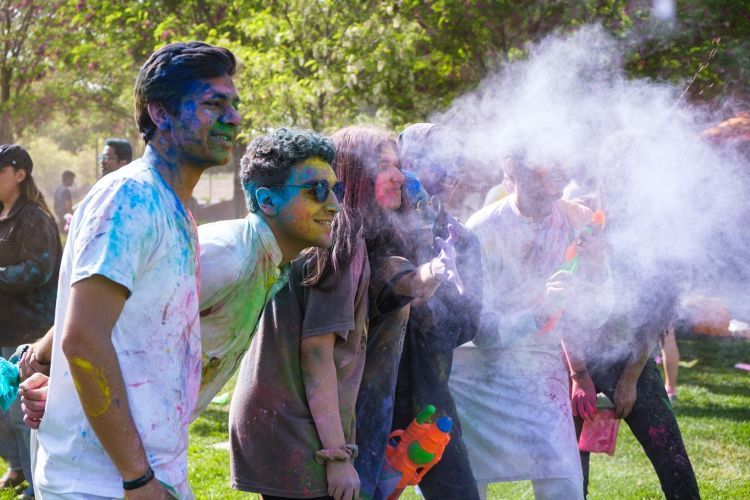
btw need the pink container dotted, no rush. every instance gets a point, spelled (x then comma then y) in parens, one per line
(599, 435)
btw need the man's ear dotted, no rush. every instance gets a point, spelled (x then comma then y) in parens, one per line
(159, 115)
(267, 202)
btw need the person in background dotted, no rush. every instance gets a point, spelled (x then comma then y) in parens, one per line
(511, 384)
(116, 154)
(670, 358)
(618, 354)
(442, 323)
(63, 202)
(30, 254)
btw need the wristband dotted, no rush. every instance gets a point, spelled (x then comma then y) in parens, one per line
(141, 481)
(346, 453)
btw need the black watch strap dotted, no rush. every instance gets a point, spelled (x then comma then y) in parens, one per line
(141, 481)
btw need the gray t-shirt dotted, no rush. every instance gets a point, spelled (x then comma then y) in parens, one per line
(273, 435)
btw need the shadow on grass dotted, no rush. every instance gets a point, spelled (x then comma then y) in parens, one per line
(740, 388)
(740, 415)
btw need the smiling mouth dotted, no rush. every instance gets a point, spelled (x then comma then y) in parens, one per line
(326, 222)
(223, 137)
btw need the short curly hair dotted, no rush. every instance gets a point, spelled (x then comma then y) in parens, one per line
(269, 158)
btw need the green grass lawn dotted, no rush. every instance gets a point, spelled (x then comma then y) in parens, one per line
(713, 412)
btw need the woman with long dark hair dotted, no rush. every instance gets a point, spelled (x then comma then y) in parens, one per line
(367, 162)
(30, 254)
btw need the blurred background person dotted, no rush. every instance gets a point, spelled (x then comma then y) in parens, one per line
(30, 254)
(116, 153)
(63, 201)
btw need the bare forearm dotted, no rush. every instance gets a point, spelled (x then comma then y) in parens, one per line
(321, 388)
(634, 366)
(420, 283)
(98, 380)
(43, 347)
(574, 354)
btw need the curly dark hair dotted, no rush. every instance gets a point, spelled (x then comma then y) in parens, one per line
(269, 158)
(168, 73)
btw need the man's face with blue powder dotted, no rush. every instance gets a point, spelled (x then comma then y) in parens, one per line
(206, 123)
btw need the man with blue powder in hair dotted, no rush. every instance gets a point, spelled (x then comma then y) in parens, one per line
(126, 346)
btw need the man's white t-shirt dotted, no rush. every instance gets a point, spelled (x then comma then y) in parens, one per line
(133, 230)
(240, 274)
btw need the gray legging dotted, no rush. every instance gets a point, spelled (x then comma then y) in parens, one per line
(14, 434)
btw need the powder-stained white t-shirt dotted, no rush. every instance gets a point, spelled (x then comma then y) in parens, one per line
(132, 229)
(240, 274)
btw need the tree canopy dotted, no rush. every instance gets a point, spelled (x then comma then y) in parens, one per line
(327, 63)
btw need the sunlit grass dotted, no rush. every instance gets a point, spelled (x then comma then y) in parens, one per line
(713, 413)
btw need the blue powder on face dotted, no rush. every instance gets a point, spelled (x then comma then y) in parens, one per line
(412, 187)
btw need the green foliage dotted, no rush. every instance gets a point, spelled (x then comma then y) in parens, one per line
(327, 63)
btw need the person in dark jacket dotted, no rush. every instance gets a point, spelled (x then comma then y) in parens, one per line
(30, 253)
(445, 321)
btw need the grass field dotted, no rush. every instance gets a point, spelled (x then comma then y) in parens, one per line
(713, 412)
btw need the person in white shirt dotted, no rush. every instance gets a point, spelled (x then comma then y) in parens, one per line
(126, 361)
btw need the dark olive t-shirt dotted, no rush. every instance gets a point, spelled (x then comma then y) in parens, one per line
(273, 435)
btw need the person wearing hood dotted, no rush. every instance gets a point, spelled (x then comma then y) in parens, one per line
(434, 328)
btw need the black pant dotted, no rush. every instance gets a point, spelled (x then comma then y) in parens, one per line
(654, 425)
(268, 497)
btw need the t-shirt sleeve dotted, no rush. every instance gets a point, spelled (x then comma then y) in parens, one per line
(329, 307)
(116, 232)
(385, 275)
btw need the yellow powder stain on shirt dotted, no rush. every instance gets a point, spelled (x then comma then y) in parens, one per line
(98, 376)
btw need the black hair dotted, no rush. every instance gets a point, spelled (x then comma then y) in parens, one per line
(122, 148)
(168, 72)
(269, 158)
(68, 175)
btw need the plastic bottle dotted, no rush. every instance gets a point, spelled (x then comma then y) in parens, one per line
(571, 263)
(418, 449)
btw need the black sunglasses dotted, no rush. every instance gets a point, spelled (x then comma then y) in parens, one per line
(321, 188)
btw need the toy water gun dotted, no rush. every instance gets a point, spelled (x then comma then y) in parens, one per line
(419, 447)
(9, 380)
(571, 263)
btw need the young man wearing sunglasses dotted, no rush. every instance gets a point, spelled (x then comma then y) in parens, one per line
(292, 194)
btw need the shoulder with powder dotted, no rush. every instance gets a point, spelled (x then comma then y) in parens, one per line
(228, 249)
